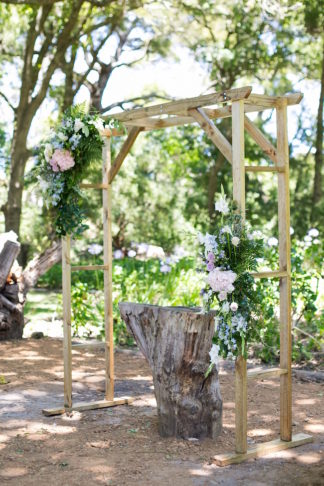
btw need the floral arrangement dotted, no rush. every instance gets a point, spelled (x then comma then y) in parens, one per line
(62, 163)
(228, 257)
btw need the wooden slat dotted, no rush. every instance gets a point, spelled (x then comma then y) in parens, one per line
(263, 449)
(285, 266)
(89, 345)
(239, 196)
(113, 171)
(261, 139)
(272, 101)
(213, 133)
(76, 268)
(107, 238)
(260, 374)
(183, 119)
(66, 290)
(83, 406)
(270, 274)
(176, 107)
(259, 168)
(93, 186)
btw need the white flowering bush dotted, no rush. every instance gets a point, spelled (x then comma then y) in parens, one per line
(228, 256)
(62, 162)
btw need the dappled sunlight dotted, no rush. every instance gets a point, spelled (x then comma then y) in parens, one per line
(317, 428)
(306, 401)
(259, 432)
(13, 472)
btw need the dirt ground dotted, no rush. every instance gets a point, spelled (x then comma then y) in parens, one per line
(121, 445)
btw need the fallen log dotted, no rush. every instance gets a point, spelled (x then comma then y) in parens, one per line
(176, 342)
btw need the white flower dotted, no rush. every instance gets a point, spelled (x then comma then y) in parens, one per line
(200, 238)
(43, 185)
(216, 323)
(292, 231)
(62, 136)
(272, 241)
(226, 229)
(313, 232)
(222, 295)
(239, 322)
(235, 240)
(214, 353)
(256, 235)
(131, 253)
(48, 152)
(118, 270)
(98, 124)
(165, 268)
(308, 238)
(78, 125)
(118, 254)
(225, 307)
(222, 206)
(95, 249)
(316, 241)
(234, 306)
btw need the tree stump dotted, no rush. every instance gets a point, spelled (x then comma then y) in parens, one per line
(176, 342)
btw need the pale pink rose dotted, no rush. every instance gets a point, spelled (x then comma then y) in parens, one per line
(221, 280)
(222, 296)
(61, 160)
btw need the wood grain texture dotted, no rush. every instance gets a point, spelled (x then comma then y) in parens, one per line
(129, 142)
(83, 406)
(177, 107)
(176, 342)
(262, 449)
(8, 255)
(260, 374)
(77, 268)
(107, 257)
(238, 172)
(213, 133)
(66, 290)
(285, 266)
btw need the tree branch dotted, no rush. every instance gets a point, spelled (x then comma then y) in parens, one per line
(149, 97)
(7, 101)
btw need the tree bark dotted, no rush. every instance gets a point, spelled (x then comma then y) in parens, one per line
(41, 264)
(318, 176)
(176, 342)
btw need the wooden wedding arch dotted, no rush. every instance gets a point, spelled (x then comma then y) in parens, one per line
(235, 104)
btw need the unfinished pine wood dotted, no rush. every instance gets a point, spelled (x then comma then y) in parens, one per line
(270, 274)
(262, 449)
(239, 197)
(89, 345)
(77, 268)
(213, 133)
(273, 101)
(84, 406)
(176, 107)
(259, 168)
(285, 266)
(129, 142)
(66, 290)
(260, 139)
(260, 374)
(107, 256)
(93, 186)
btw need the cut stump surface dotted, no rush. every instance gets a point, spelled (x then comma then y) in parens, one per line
(176, 342)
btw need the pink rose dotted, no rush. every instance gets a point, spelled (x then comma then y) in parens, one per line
(61, 160)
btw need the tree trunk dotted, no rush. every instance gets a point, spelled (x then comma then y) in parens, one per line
(318, 177)
(11, 295)
(176, 342)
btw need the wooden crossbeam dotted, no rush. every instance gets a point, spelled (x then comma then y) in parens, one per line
(213, 133)
(83, 406)
(270, 274)
(260, 450)
(76, 268)
(260, 374)
(272, 101)
(129, 142)
(176, 107)
(260, 168)
(261, 140)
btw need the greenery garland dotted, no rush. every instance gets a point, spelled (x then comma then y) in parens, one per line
(62, 162)
(228, 257)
